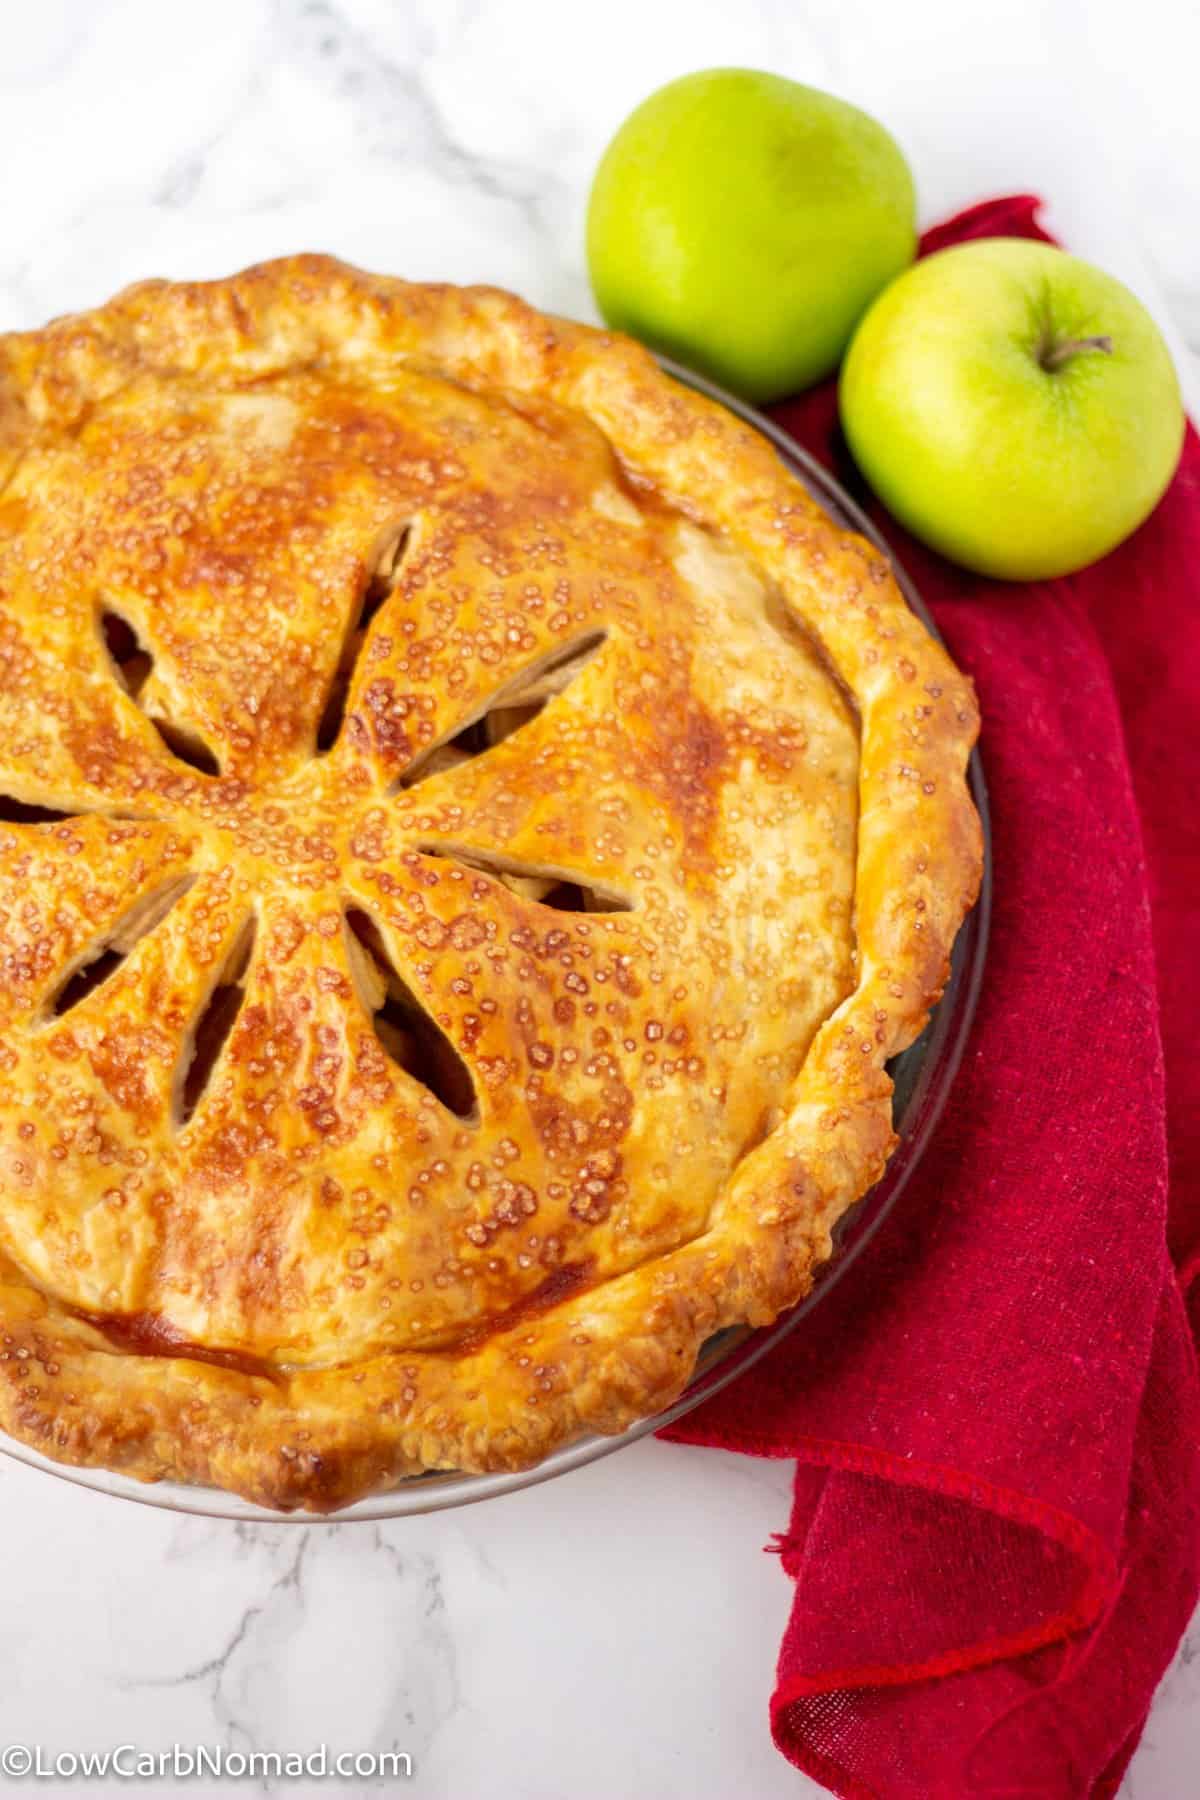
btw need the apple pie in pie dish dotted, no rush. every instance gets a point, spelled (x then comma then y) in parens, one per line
(472, 833)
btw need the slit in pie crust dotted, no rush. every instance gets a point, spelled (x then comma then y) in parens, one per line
(509, 828)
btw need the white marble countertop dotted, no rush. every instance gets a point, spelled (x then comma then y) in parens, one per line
(615, 1632)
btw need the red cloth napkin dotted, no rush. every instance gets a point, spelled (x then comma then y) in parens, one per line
(995, 1539)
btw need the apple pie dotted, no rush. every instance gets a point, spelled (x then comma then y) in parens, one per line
(472, 834)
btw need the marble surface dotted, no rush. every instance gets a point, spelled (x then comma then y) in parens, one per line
(614, 1632)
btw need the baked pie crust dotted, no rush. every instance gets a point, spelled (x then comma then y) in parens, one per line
(472, 833)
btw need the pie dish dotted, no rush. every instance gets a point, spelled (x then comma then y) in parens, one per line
(473, 832)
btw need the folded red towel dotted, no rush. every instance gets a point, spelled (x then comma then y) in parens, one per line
(995, 1539)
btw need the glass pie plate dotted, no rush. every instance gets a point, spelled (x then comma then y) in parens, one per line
(923, 1076)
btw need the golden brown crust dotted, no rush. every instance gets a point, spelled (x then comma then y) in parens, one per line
(314, 1276)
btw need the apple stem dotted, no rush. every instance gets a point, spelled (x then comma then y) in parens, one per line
(1054, 356)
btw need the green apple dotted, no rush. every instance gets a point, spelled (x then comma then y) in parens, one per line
(1014, 407)
(743, 223)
